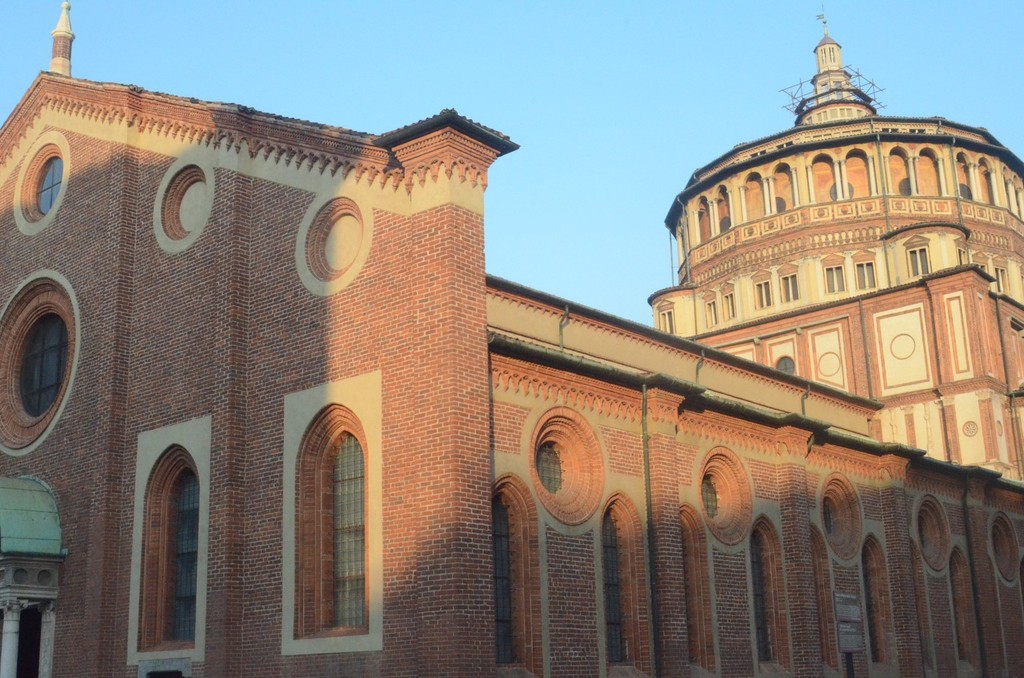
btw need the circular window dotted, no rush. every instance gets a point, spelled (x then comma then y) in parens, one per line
(1004, 547)
(840, 516)
(37, 348)
(568, 472)
(42, 182)
(49, 184)
(786, 364)
(333, 245)
(43, 364)
(933, 533)
(184, 203)
(187, 204)
(725, 496)
(549, 467)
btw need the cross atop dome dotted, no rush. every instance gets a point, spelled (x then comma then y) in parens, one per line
(60, 61)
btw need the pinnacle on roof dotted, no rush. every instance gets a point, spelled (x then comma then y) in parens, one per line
(60, 61)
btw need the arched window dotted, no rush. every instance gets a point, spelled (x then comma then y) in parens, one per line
(921, 597)
(963, 178)
(985, 184)
(624, 589)
(170, 553)
(704, 219)
(754, 196)
(613, 609)
(899, 172)
(928, 174)
(331, 544)
(724, 216)
(823, 599)
(516, 568)
(877, 618)
(784, 196)
(697, 591)
(824, 179)
(963, 608)
(768, 594)
(857, 175)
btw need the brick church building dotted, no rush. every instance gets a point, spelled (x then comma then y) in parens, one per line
(241, 436)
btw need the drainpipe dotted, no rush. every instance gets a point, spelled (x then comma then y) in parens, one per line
(956, 185)
(974, 584)
(938, 373)
(885, 202)
(1009, 392)
(655, 620)
(864, 341)
(562, 323)
(686, 244)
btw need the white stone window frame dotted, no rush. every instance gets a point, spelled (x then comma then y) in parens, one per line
(362, 395)
(195, 438)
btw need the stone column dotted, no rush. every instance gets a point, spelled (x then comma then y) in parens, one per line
(837, 178)
(872, 183)
(811, 198)
(794, 178)
(913, 176)
(9, 647)
(843, 183)
(942, 177)
(46, 637)
(714, 217)
(766, 197)
(743, 205)
(972, 178)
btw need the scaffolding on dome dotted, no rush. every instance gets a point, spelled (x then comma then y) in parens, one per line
(802, 97)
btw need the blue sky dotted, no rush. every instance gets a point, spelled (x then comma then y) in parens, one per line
(614, 104)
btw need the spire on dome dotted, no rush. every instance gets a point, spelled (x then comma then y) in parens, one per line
(836, 91)
(60, 61)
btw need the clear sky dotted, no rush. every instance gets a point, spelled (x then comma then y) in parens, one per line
(614, 104)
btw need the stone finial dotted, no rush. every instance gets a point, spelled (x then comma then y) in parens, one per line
(60, 62)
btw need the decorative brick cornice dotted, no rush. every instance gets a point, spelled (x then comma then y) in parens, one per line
(719, 429)
(513, 376)
(445, 150)
(302, 145)
(849, 462)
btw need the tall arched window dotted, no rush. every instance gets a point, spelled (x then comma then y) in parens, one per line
(823, 599)
(615, 635)
(823, 173)
(963, 178)
(877, 617)
(963, 608)
(697, 591)
(985, 187)
(784, 197)
(928, 174)
(516, 568)
(899, 172)
(331, 521)
(857, 175)
(724, 216)
(704, 219)
(624, 588)
(921, 597)
(349, 572)
(170, 552)
(769, 596)
(754, 196)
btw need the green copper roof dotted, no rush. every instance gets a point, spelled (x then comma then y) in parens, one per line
(29, 523)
